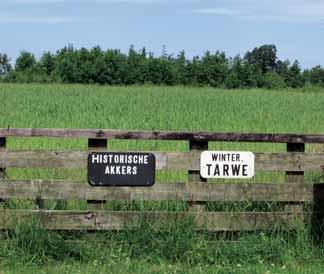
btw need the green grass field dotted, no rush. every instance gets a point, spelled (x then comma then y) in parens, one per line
(32, 250)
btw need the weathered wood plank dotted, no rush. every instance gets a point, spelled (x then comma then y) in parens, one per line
(96, 145)
(78, 159)
(194, 175)
(294, 176)
(292, 161)
(162, 135)
(195, 191)
(102, 220)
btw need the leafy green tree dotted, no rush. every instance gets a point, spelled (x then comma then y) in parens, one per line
(243, 74)
(272, 80)
(282, 68)
(181, 69)
(214, 69)
(251, 76)
(5, 65)
(194, 71)
(67, 66)
(160, 71)
(115, 67)
(295, 78)
(136, 66)
(234, 78)
(25, 61)
(47, 63)
(316, 76)
(263, 57)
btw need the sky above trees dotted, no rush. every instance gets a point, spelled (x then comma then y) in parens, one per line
(296, 27)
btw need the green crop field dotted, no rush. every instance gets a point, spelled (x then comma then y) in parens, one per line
(180, 249)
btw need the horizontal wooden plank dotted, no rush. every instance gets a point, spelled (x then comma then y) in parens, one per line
(289, 161)
(196, 192)
(162, 135)
(78, 159)
(164, 160)
(103, 220)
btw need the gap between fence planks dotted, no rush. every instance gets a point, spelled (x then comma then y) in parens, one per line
(194, 191)
(161, 135)
(105, 220)
(292, 161)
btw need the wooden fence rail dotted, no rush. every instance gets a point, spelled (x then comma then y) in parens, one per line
(196, 191)
(118, 220)
(293, 161)
(162, 135)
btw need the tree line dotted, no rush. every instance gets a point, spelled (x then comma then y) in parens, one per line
(259, 68)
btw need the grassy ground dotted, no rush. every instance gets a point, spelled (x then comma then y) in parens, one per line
(182, 250)
(163, 267)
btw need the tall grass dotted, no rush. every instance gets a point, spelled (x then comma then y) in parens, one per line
(175, 243)
(156, 108)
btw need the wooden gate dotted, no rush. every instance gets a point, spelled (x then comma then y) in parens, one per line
(197, 192)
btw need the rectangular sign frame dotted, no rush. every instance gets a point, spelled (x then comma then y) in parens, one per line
(227, 165)
(121, 169)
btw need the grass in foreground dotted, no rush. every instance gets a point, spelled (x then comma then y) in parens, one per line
(177, 248)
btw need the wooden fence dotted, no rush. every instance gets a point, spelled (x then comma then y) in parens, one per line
(196, 191)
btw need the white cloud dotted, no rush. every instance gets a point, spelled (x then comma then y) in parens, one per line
(218, 11)
(297, 11)
(37, 20)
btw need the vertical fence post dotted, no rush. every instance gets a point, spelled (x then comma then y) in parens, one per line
(194, 175)
(2, 170)
(96, 145)
(39, 203)
(2, 147)
(294, 176)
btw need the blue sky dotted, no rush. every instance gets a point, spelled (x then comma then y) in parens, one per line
(232, 26)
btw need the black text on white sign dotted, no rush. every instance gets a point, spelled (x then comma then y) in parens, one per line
(227, 164)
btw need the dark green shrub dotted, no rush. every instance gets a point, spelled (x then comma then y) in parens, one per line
(272, 80)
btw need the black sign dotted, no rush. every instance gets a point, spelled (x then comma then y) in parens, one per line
(121, 169)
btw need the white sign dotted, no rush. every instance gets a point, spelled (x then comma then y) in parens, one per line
(227, 164)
